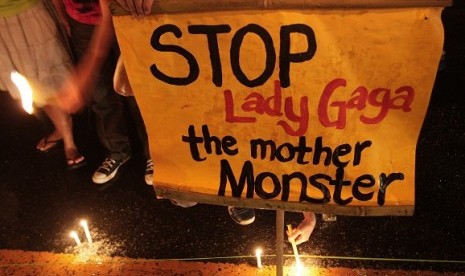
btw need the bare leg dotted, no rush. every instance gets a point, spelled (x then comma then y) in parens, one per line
(64, 130)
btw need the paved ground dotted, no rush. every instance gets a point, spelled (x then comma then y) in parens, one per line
(40, 202)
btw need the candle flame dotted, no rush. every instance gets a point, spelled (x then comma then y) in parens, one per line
(300, 269)
(25, 91)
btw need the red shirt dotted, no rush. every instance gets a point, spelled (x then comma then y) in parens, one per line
(86, 12)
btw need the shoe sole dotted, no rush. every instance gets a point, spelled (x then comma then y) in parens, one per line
(183, 203)
(110, 176)
(106, 179)
(241, 222)
(245, 222)
(76, 166)
(150, 183)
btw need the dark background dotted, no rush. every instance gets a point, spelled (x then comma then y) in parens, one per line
(40, 201)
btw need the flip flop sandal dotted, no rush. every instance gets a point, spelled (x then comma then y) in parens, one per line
(76, 162)
(54, 145)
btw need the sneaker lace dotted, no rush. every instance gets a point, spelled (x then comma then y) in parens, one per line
(149, 167)
(107, 165)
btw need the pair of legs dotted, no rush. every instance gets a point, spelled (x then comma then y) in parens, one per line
(107, 107)
(110, 124)
(30, 44)
(63, 131)
(123, 87)
(143, 137)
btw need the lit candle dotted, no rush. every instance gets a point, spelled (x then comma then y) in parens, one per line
(294, 247)
(74, 235)
(25, 91)
(258, 254)
(86, 230)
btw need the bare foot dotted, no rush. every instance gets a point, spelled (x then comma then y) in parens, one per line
(74, 159)
(49, 143)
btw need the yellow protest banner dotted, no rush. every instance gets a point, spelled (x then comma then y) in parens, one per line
(303, 110)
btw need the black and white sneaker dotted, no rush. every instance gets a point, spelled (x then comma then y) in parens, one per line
(149, 172)
(108, 170)
(242, 216)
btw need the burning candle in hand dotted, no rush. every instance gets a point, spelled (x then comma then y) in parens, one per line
(33, 93)
(294, 247)
(86, 230)
(25, 90)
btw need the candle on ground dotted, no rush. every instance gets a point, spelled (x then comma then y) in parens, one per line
(75, 236)
(258, 254)
(86, 231)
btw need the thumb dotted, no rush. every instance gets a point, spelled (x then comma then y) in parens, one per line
(292, 236)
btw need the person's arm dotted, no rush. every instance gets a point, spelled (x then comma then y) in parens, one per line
(137, 7)
(304, 229)
(87, 71)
